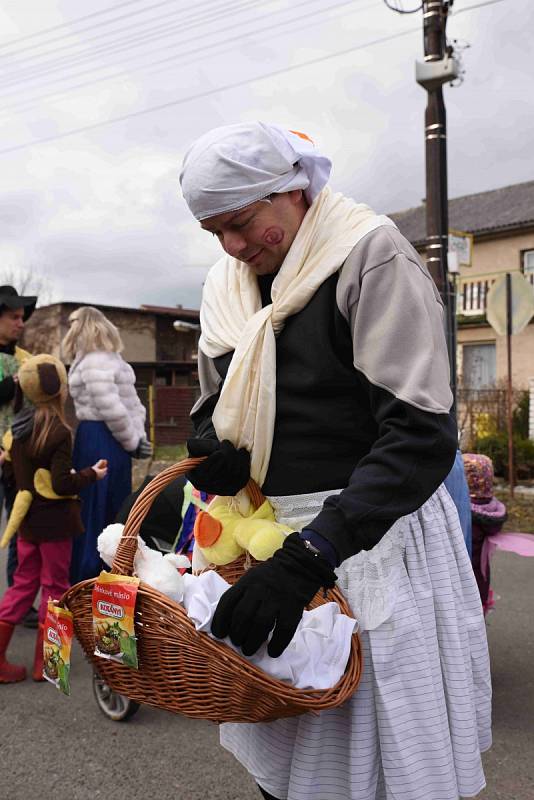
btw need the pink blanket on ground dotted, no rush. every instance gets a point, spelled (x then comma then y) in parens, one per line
(520, 543)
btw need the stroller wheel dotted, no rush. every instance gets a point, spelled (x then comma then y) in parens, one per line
(114, 706)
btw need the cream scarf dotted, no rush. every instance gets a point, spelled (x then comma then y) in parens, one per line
(232, 318)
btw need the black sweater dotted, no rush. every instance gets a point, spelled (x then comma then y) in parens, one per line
(335, 428)
(7, 384)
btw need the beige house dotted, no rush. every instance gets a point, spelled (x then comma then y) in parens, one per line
(501, 222)
(161, 352)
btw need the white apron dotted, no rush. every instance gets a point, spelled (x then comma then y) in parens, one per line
(416, 726)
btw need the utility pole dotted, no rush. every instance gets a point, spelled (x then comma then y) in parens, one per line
(439, 67)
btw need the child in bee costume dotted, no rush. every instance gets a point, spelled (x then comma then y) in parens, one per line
(46, 512)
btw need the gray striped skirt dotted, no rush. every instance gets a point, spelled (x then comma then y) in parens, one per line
(416, 726)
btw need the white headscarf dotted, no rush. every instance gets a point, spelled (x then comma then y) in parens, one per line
(228, 169)
(231, 167)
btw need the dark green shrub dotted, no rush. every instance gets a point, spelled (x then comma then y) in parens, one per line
(524, 458)
(520, 416)
(496, 447)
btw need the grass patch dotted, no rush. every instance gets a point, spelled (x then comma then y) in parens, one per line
(520, 512)
(170, 452)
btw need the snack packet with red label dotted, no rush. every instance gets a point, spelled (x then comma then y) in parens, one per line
(114, 599)
(57, 641)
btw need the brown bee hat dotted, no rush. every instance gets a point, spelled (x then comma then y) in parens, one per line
(41, 378)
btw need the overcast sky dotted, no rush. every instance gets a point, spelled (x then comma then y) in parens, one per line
(99, 211)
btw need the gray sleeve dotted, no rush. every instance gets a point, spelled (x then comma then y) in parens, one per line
(209, 380)
(396, 317)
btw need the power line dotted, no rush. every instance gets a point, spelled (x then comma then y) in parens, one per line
(66, 24)
(198, 50)
(60, 64)
(227, 87)
(81, 19)
(207, 93)
(200, 37)
(139, 26)
(477, 5)
(158, 64)
(57, 49)
(401, 10)
(45, 31)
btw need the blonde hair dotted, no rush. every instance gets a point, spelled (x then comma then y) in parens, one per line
(46, 416)
(90, 330)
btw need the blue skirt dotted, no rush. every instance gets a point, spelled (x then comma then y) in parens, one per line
(101, 500)
(456, 485)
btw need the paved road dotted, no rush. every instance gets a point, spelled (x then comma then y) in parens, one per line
(62, 748)
(59, 748)
(510, 763)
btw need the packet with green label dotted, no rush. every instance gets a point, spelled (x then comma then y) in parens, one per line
(114, 599)
(57, 642)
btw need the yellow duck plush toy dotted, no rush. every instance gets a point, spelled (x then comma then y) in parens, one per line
(228, 529)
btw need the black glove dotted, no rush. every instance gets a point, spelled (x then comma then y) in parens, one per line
(274, 593)
(225, 471)
(143, 450)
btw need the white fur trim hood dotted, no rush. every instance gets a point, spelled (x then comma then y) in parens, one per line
(102, 386)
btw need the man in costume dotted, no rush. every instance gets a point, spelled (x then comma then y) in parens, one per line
(15, 310)
(324, 376)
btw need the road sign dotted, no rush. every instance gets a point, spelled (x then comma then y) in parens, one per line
(461, 243)
(522, 304)
(509, 308)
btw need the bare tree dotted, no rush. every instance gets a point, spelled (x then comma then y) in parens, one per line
(483, 412)
(28, 281)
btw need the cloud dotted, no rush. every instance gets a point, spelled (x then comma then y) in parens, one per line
(110, 227)
(101, 212)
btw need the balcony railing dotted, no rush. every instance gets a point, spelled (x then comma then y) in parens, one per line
(473, 292)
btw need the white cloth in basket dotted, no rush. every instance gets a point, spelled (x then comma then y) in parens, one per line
(315, 658)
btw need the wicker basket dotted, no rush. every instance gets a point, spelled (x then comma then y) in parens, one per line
(187, 672)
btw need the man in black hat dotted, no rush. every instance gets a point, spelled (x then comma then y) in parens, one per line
(15, 310)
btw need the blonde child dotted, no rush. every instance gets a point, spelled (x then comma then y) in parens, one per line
(46, 512)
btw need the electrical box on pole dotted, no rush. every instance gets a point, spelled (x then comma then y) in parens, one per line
(433, 74)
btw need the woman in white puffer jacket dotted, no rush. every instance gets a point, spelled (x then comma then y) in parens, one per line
(102, 386)
(111, 421)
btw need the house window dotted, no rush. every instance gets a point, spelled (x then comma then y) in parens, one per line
(528, 262)
(479, 366)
